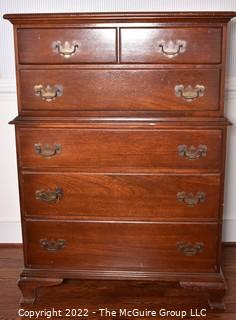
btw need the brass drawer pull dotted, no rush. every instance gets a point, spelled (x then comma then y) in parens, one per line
(52, 245)
(189, 93)
(192, 153)
(190, 199)
(47, 151)
(67, 49)
(48, 93)
(189, 249)
(50, 196)
(170, 48)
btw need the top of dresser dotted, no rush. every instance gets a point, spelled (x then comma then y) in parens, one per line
(121, 64)
(217, 16)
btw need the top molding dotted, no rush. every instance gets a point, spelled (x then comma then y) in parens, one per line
(48, 18)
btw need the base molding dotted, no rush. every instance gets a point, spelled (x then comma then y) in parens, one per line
(211, 284)
(214, 290)
(120, 274)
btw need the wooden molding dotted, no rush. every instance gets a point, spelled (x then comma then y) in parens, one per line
(10, 245)
(20, 245)
(217, 16)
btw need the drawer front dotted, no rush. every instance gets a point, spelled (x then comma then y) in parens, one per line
(111, 150)
(64, 46)
(169, 45)
(136, 197)
(120, 90)
(140, 246)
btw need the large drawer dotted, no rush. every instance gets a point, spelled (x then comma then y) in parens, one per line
(114, 196)
(171, 45)
(121, 246)
(122, 150)
(120, 90)
(67, 45)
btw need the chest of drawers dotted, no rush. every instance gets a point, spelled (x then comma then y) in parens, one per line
(121, 147)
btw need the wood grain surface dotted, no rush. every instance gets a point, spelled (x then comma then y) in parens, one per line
(115, 196)
(121, 246)
(118, 69)
(140, 45)
(94, 294)
(119, 90)
(120, 150)
(95, 45)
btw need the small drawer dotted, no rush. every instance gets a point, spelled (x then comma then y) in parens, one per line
(120, 150)
(114, 196)
(64, 46)
(120, 90)
(109, 245)
(171, 45)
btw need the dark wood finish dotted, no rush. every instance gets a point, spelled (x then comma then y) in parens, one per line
(216, 292)
(114, 90)
(115, 150)
(92, 293)
(140, 45)
(115, 196)
(142, 17)
(89, 246)
(110, 131)
(29, 287)
(108, 122)
(95, 45)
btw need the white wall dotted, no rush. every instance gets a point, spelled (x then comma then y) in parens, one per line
(9, 204)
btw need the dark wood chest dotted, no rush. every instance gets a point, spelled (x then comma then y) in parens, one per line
(121, 147)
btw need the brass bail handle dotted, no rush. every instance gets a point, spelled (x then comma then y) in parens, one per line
(67, 49)
(48, 93)
(190, 249)
(189, 93)
(47, 151)
(52, 245)
(50, 196)
(190, 199)
(171, 48)
(192, 152)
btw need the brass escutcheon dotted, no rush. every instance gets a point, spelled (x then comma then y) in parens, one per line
(50, 196)
(67, 49)
(52, 245)
(190, 249)
(47, 151)
(189, 93)
(190, 199)
(170, 48)
(192, 153)
(48, 93)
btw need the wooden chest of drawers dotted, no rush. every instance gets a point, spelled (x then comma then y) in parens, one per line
(121, 147)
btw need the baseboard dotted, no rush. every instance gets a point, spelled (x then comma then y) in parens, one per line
(7, 89)
(229, 233)
(10, 232)
(229, 244)
(11, 245)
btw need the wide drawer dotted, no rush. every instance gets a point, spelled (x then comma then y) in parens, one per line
(121, 150)
(67, 45)
(130, 196)
(107, 245)
(170, 45)
(120, 90)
